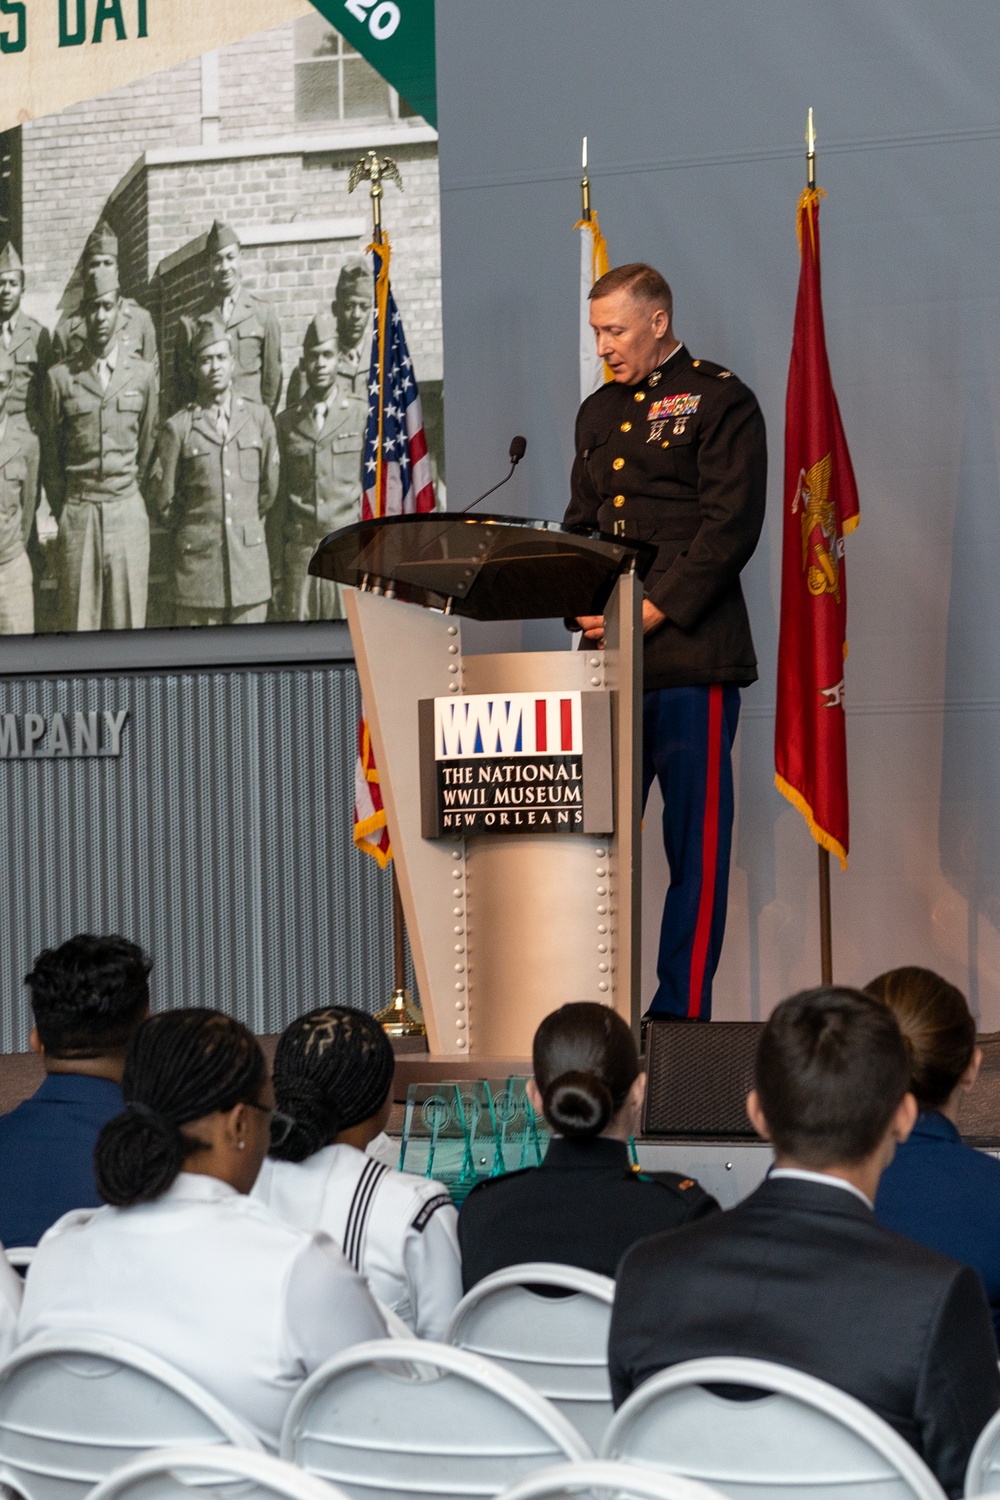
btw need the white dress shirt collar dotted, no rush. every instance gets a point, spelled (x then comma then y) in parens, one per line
(823, 1178)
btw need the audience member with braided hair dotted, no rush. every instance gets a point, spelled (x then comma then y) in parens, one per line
(937, 1190)
(333, 1083)
(585, 1205)
(183, 1262)
(802, 1272)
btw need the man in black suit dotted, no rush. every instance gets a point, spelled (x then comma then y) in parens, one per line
(801, 1272)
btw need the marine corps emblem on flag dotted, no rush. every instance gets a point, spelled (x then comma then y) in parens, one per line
(820, 542)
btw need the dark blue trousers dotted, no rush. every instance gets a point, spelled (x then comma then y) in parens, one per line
(688, 736)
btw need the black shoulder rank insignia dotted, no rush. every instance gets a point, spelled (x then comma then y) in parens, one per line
(428, 1211)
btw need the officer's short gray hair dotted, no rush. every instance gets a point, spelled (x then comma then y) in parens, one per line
(643, 281)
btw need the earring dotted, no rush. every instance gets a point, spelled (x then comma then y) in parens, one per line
(241, 1145)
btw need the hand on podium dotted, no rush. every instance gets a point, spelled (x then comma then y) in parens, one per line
(593, 625)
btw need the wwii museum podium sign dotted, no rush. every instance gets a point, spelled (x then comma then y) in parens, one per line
(508, 763)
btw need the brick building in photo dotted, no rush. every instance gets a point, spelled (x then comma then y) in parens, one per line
(262, 135)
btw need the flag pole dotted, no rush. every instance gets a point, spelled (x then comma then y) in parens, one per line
(825, 922)
(585, 187)
(400, 1017)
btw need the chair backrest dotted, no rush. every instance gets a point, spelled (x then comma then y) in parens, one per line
(557, 1345)
(982, 1477)
(20, 1256)
(389, 1419)
(803, 1438)
(193, 1473)
(601, 1476)
(75, 1408)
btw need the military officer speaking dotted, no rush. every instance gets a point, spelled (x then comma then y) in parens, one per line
(136, 333)
(99, 418)
(321, 442)
(217, 476)
(22, 337)
(18, 497)
(673, 451)
(251, 322)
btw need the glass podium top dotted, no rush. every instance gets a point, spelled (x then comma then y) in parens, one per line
(488, 567)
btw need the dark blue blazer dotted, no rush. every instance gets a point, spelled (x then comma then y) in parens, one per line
(47, 1153)
(946, 1195)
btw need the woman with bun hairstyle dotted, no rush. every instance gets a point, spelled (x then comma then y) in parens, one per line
(937, 1190)
(586, 1204)
(182, 1262)
(333, 1074)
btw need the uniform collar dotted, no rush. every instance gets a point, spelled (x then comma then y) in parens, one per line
(934, 1125)
(667, 368)
(196, 1187)
(584, 1156)
(822, 1179)
(79, 1088)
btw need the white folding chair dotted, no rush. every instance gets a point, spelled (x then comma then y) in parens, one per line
(75, 1408)
(401, 1421)
(558, 1345)
(20, 1256)
(803, 1439)
(600, 1475)
(194, 1473)
(982, 1477)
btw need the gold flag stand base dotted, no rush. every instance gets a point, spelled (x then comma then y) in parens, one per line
(401, 1017)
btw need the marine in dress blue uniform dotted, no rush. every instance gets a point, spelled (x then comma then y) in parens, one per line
(946, 1195)
(673, 452)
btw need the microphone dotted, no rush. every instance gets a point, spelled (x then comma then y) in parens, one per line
(518, 448)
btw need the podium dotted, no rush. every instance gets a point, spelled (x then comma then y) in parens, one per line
(511, 782)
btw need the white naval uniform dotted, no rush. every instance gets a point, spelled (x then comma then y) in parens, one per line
(11, 1289)
(399, 1230)
(212, 1282)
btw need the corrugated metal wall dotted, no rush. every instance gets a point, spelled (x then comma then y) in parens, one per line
(220, 840)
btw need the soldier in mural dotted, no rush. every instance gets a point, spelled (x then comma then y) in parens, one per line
(135, 326)
(351, 309)
(250, 321)
(18, 497)
(216, 479)
(321, 441)
(23, 338)
(99, 421)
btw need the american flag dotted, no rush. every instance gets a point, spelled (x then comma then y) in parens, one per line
(397, 466)
(397, 479)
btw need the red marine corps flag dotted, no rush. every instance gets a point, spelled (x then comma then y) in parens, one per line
(820, 508)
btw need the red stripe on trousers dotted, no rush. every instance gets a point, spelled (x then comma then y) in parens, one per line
(709, 852)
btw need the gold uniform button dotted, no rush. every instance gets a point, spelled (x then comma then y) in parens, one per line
(619, 501)
(696, 363)
(640, 396)
(619, 463)
(667, 443)
(626, 427)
